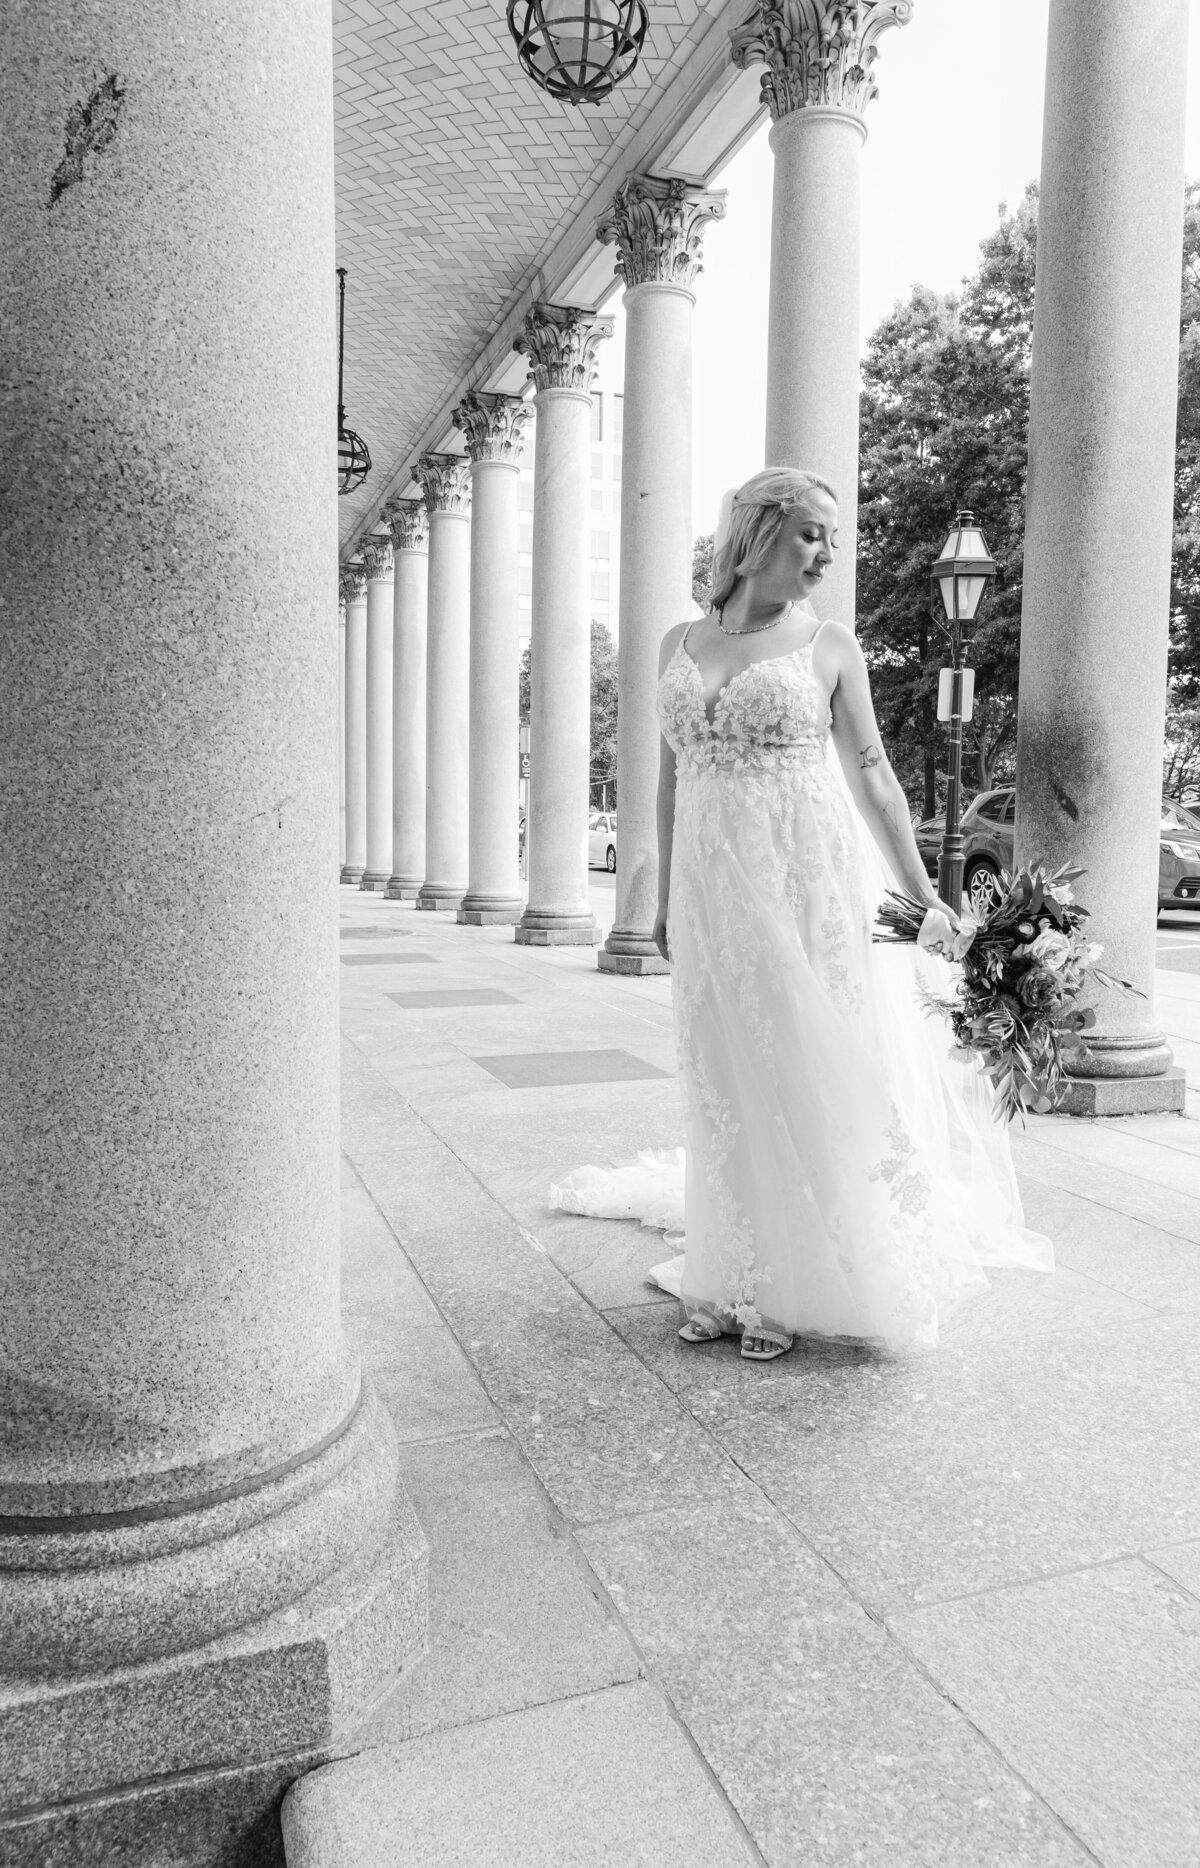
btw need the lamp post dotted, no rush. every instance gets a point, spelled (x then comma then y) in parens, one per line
(959, 579)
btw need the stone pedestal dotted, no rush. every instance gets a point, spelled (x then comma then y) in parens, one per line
(818, 84)
(657, 227)
(447, 487)
(561, 344)
(410, 547)
(206, 1565)
(1098, 535)
(377, 556)
(495, 428)
(354, 738)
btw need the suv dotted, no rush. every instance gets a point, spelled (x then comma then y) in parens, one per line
(987, 827)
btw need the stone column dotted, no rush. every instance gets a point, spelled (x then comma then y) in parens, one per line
(657, 227)
(355, 739)
(410, 547)
(1098, 533)
(818, 82)
(446, 481)
(341, 728)
(561, 344)
(377, 556)
(203, 1576)
(495, 430)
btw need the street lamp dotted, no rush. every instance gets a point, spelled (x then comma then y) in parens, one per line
(958, 581)
(353, 454)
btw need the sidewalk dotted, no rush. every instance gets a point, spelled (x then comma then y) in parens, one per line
(690, 1612)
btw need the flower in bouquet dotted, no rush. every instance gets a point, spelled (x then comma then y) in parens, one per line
(1012, 1004)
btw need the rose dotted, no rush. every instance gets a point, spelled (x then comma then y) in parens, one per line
(1039, 989)
(1051, 950)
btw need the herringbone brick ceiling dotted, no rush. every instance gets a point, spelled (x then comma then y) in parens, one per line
(456, 178)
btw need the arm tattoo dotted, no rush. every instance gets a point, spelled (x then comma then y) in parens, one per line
(869, 756)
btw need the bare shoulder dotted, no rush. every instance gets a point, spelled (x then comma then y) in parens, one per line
(670, 643)
(837, 650)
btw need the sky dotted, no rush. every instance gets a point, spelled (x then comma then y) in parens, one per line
(956, 130)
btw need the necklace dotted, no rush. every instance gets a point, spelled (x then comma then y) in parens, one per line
(752, 629)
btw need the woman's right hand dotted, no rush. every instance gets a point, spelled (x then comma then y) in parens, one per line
(659, 936)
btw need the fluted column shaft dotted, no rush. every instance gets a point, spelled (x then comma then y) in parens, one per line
(562, 345)
(355, 737)
(817, 84)
(657, 229)
(378, 709)
(448, 670)
(410, 546)
(494, 427)
(196, 1492)
(1097, 566)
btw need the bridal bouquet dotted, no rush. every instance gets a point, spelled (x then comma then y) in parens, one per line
(1022, 970)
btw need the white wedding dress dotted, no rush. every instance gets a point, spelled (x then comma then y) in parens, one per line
(843, 1175)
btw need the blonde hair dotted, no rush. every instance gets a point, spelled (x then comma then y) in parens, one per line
(755, 519)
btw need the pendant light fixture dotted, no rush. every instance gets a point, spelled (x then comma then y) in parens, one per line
(578, 50)
(354, 456)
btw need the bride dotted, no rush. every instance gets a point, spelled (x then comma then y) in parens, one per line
(842, 1174)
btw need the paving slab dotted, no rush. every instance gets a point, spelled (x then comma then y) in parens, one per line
(831, 1746)
(1158, 1268)
(532, 1070)
(1182, 1562)
(923, 1479)
(1089, 1686)
(588, 1783)
(515, 1616)
(602, 1433)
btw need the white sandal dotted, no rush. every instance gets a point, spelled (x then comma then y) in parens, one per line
(701, 1330)
(778, 1345)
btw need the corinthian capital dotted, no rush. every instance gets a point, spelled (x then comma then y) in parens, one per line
(408, 523)
(658, 229)
(352, 583)
(561, 343)
(817, 53)
(376, 554)
(446, 481)
(494, 426)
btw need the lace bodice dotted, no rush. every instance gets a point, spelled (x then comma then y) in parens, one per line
(771, 714)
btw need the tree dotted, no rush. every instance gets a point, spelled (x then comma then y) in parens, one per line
(702, 569)
(1183, 690)
(945, 416)
(603, 760)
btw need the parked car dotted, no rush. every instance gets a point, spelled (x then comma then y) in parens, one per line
(988, 829)
(602, 840)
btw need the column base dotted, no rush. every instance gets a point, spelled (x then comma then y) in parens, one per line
(638, 964)
(441, 897)
(1165, 1094)
(351, 872)
(402, 889)
(1123, 1054)
(131, 1763)
(630, 951)
(541, 927)
(375, 879)
(484, 911)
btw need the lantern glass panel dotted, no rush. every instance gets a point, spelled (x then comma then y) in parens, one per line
(970, 590)
(946, 586)
(971, 545)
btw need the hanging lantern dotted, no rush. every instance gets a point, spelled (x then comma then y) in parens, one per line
(578, 50)
(354, 456)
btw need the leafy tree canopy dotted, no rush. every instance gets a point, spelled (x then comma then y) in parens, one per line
(603, 765)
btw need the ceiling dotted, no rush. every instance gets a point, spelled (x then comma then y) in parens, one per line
(464, 192)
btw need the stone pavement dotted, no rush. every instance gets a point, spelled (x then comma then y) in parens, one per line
(942, 1613)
